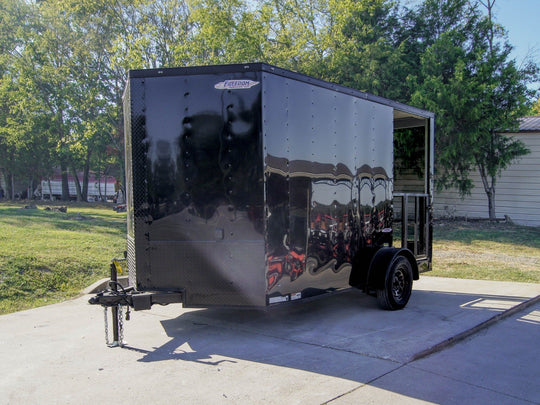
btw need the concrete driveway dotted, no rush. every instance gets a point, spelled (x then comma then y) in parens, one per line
(458, 341)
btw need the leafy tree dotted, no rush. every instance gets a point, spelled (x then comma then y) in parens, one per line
(19, 136)
(535, 109)
(64, 64)
(366, 51)
(467, 79)
(65, 67)
(95, 106)
(422, 27)
(296, 34)
(150, 34)
(47, 71)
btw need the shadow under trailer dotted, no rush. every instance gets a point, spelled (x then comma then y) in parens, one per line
(251, 185)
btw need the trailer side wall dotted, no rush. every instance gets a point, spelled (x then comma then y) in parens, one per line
(328, 184)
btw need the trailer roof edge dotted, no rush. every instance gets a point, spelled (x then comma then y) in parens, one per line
(264, 67)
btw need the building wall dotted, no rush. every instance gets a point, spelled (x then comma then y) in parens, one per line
(517, 191)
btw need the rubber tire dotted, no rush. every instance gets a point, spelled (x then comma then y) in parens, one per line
(397, 286)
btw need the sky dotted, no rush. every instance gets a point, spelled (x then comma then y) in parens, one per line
(521, 20)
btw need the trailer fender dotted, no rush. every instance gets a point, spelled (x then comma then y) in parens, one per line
(381, 262)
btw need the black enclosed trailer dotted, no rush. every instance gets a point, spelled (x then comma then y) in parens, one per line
(249, 185)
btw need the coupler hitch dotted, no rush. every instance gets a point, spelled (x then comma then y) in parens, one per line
(118, 296)
(115, 300)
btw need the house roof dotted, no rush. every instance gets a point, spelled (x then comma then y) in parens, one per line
(529, 124)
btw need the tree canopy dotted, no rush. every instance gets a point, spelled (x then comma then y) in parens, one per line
(63, 65)
(476, 91)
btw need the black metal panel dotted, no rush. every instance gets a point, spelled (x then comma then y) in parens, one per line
(197, 202)
(328, 168)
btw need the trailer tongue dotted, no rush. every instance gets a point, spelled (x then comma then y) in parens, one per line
(250, 185)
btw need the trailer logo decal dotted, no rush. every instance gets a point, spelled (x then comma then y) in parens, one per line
(235, 84)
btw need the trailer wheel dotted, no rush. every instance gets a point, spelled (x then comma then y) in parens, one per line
(397, 286)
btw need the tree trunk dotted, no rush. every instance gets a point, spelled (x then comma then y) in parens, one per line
(77, 184)
(50, 189)
(3, 171)
(30, 189)
(99, 184)
(489, 188)
(86, 175)
(491, 204)
(12, 177)
(65, 181)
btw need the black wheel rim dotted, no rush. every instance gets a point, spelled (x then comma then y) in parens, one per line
(400, 284)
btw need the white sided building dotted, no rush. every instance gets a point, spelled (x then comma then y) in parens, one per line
(98, 189)
(517, 193)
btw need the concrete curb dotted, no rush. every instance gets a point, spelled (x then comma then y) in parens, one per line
(469, 332)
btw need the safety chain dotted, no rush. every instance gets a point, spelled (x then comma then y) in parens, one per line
(120, 327)
(106, 326)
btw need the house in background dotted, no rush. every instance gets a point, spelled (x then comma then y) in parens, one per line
(517, 193)
(99, 188)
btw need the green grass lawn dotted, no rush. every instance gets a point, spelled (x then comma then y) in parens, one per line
(48, 256)
(486, 251)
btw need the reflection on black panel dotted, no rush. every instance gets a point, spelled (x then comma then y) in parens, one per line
(201, 153)
(315, 221)
(328, 169)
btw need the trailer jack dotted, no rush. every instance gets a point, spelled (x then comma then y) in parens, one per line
(116, 297)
